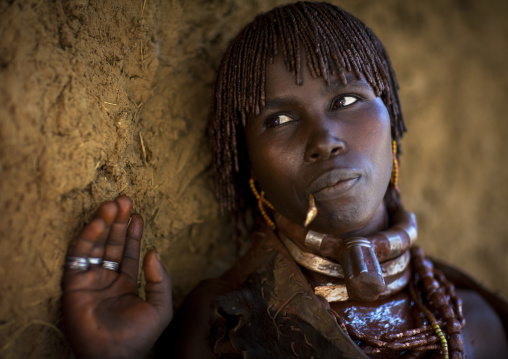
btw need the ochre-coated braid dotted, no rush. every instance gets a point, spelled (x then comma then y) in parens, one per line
(432, 320)
(450, 289)
(415, 342)
(434, 285)
(419, 340)
(456, 323)
(339, 320)
(408, 333)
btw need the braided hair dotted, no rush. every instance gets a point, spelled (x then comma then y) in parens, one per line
(333, 41)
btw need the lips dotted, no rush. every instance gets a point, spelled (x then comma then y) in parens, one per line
(334, 183)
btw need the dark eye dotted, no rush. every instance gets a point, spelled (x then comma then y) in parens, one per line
(277, 120)
(343, 101)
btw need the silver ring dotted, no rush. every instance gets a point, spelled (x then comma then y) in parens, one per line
(76, 263)
(110, 265)
(95, 261)
(313, 239)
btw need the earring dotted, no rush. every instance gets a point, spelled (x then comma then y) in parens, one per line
(395, 169)
(311, 212)
(261, 199)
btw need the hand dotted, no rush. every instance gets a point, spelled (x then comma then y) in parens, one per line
(103, 313)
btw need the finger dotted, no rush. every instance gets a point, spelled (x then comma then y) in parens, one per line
(87, 238)
(107, 212)
(85, 242)
(130, 260)
(116, 239)
(158, 287)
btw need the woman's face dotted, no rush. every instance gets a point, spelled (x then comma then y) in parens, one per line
(332, 141)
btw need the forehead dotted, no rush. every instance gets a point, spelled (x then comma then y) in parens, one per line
(280, 81)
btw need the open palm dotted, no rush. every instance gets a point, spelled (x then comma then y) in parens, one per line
(104, 315)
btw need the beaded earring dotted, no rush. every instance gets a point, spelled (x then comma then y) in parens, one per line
(395, 169)
(261, 199)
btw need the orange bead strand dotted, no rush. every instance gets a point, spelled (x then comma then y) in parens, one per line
(262, 200)
(395, 170)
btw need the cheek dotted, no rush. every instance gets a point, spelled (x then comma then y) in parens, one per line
(382, 137)
(271, 157)
(263, 162)
(376, 138)
(274, 169)
(386, 164)
(271, 168)
(384, 154)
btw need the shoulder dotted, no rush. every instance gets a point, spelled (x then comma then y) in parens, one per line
(483, 335)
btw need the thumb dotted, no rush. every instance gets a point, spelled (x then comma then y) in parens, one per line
(158, 286)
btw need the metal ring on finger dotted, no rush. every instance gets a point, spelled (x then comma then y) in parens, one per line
(94, 260)
(111, 265)
(77, 263)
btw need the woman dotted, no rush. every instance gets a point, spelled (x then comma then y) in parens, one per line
(306, 115)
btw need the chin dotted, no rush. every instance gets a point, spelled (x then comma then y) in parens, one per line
(343, 221)
(337, 224)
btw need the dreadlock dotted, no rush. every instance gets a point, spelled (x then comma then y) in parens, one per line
(333, 41)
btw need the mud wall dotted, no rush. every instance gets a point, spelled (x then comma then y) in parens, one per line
(102, 98)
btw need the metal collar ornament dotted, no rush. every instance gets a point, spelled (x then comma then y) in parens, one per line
(357, 260)
(330, 268)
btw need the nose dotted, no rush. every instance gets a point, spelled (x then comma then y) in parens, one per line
(322, 145)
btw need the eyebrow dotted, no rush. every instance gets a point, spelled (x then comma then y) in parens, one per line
(278, 102)
(352, 82)
(335, 85)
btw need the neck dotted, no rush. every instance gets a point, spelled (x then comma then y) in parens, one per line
(358, 257)
(331, 243)
(377, 223)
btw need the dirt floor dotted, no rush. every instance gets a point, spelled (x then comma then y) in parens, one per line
(100, 98)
